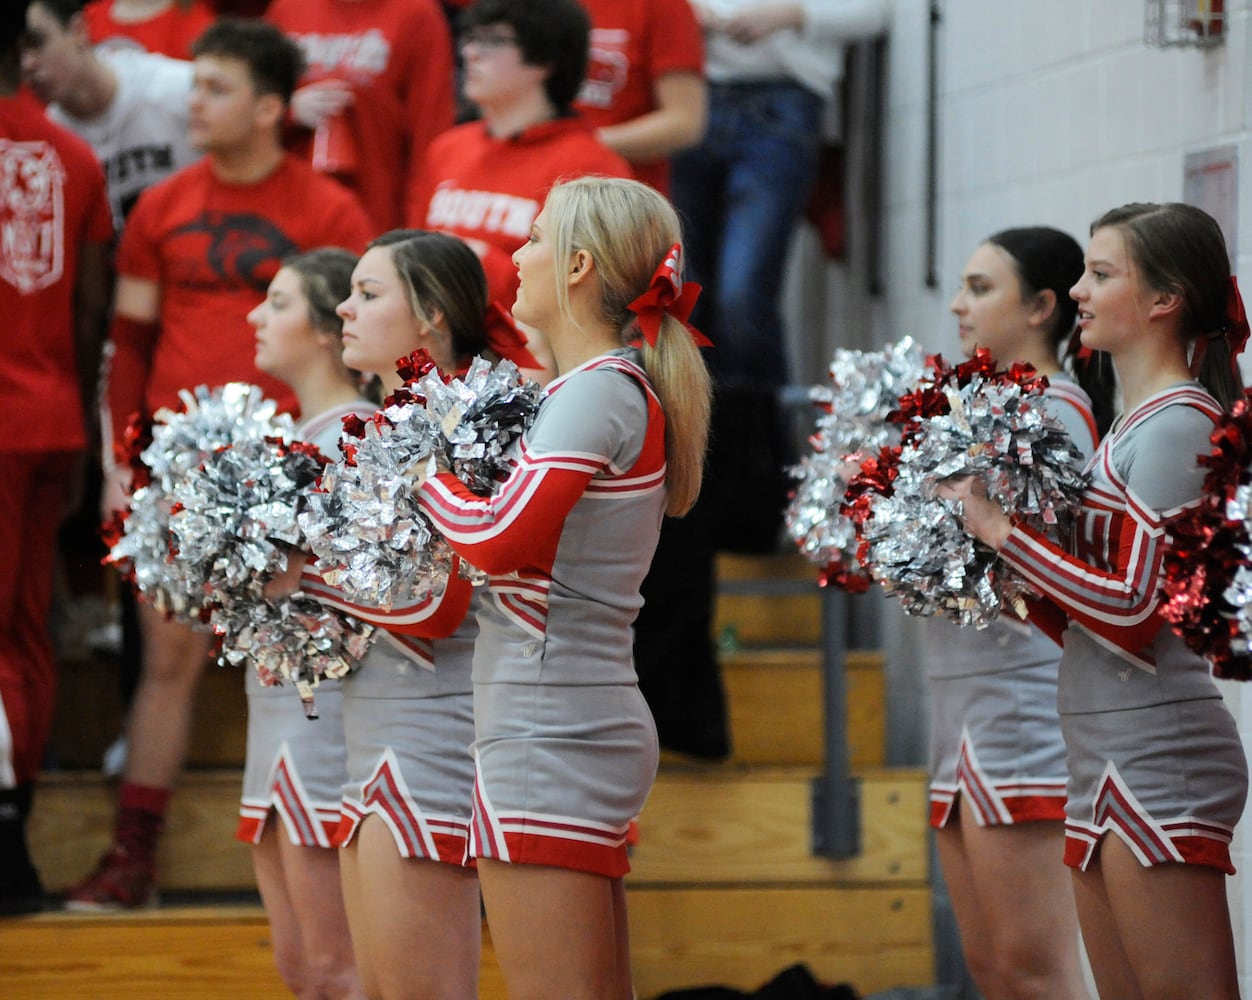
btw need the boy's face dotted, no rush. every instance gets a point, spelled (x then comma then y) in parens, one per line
(54, 55)
(225, 110)
(496, 73)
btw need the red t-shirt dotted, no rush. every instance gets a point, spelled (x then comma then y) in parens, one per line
(633, 42)
(488, 191)
(52, 203)
(212, 248)
(397, 55)
(169, 33)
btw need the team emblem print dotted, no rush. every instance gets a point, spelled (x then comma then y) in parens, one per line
(32, 210)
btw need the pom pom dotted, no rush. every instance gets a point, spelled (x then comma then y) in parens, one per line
(233, 526)
(234, 518)
(297, 640)
(967, 420)
(364, 524)
(142, 545)
(864, 388)
(1206, 579)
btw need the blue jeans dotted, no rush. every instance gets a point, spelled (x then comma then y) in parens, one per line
(741, 193)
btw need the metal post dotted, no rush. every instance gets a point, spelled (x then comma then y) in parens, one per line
(836, 794)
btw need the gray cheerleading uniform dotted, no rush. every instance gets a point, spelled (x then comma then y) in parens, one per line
(566, 749)
(296, 765)
(1153, 753)
(995, 735)
(408, 721)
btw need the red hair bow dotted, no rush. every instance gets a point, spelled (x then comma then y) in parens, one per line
(1236, 323)
(505, 339)
(667, 294)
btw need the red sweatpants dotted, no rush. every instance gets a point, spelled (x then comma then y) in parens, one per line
(33, 490)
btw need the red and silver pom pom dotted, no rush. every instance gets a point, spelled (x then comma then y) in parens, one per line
(1207, 569)
(364, 525)
(234, 526)
(296, 640)
(965, 420)
(181, 440)
(865, 387)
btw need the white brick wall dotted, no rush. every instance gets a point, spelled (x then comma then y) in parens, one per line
(1051, 113)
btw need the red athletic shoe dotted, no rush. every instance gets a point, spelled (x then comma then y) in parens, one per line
(119, 882)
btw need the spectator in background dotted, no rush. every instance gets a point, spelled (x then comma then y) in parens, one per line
(485, 181)
(644, 89)
(379, 84)
(165, 26)
(130, 106)
(197, 252)
(53, 295)
(742, 191)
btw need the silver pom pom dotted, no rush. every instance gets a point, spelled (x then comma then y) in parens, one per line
(864, 387)
(997, 427)
(364, 524)
(181, 440)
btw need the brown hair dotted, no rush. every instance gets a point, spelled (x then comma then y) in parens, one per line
(1180, 248)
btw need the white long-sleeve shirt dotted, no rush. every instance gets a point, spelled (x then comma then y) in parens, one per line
(811, 56)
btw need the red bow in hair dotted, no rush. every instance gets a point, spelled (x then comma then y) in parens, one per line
(1236, 327)
(505, 339)
(668, 294)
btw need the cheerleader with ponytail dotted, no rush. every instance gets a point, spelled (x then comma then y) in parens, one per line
(412, 902)
(997, 760)
(566, 750)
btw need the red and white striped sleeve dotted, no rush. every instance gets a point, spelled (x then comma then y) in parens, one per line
(591, 423)
(1111, 586)
(1119, 604)
(434, 618)
(520, 524)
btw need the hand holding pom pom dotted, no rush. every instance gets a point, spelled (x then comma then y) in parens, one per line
(968, 422)
(364, 525)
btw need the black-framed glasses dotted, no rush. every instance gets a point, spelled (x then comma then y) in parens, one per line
(488, 38)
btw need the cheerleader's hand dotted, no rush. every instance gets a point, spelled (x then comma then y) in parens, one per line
(286, 583)
(116, 490)
(428, 467)
(981, 516)
(848, 467)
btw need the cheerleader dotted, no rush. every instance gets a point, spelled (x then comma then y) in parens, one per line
(565, 748)
(997, 760)
(413, 904)
(1157, 772)
(295, 768)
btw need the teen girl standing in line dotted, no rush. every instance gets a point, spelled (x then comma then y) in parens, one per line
(566, 749)
(1154, 756)
(413, 905)
(295, 768)
(997, 760)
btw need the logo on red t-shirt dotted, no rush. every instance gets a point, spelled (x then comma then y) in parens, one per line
(32, 215)
(239, 249)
